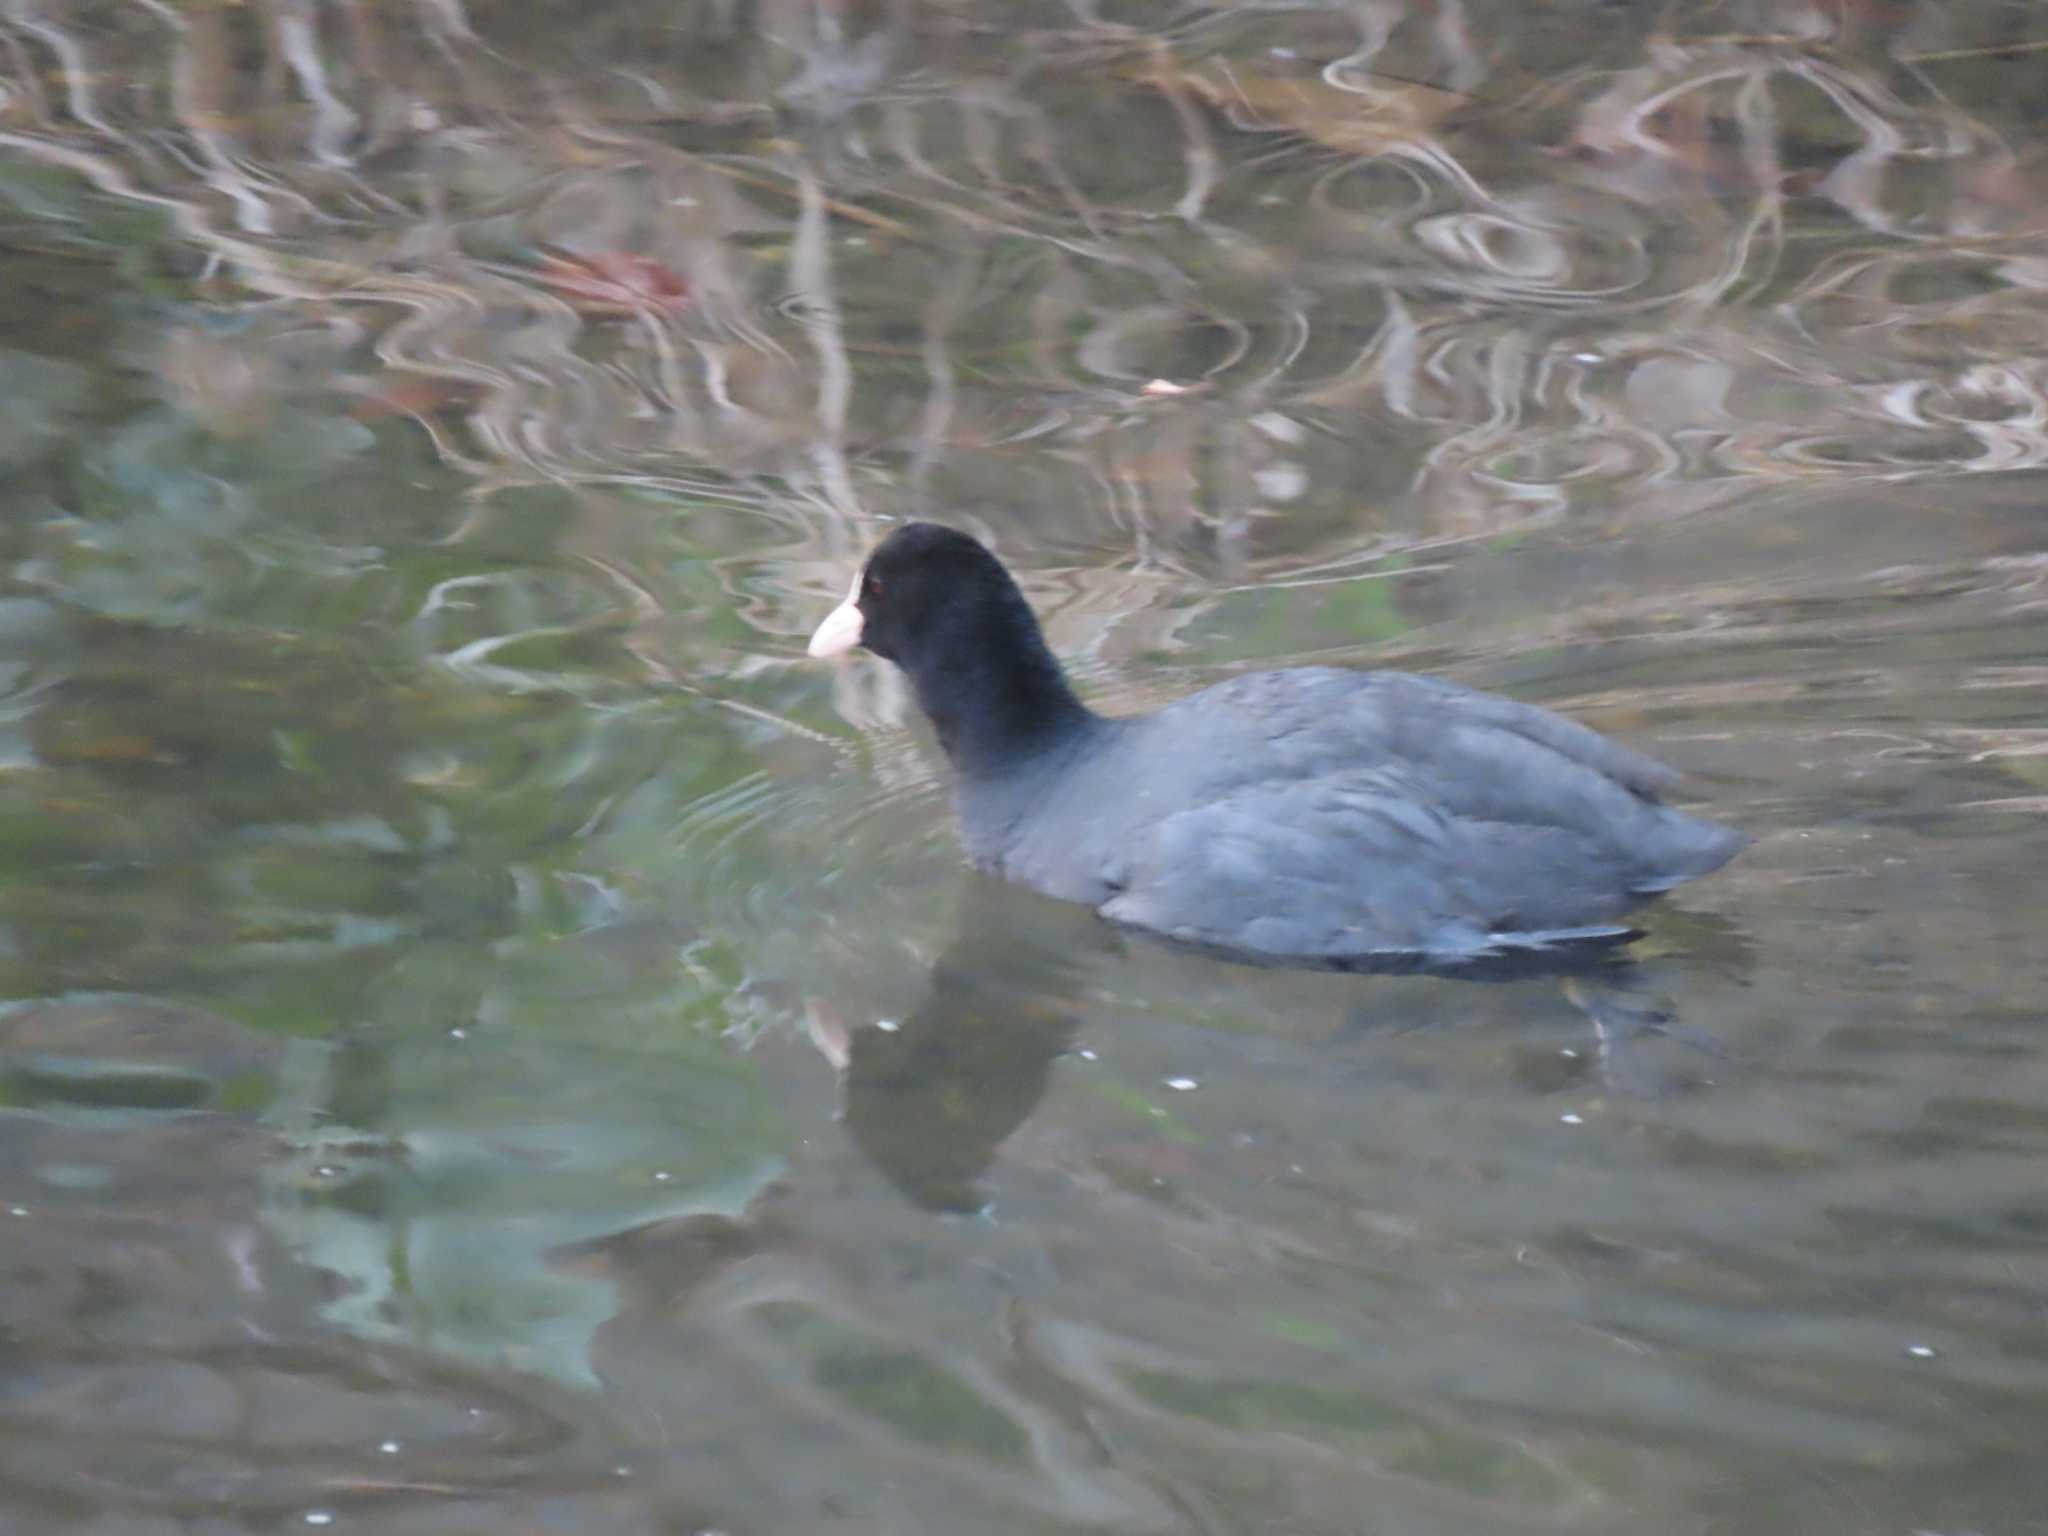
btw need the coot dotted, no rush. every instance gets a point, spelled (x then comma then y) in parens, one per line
(1311, 816)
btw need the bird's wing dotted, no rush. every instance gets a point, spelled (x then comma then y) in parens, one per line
(1349, 867)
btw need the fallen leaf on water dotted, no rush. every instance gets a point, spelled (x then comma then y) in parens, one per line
(1381, 114)
(1664, 152)
(616, 283)
(411, 395)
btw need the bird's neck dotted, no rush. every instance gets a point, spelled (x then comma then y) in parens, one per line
(997, 706)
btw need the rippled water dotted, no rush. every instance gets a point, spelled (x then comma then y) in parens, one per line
(494, 1039)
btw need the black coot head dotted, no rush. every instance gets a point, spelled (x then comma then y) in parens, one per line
(944, 610)
(924, 588)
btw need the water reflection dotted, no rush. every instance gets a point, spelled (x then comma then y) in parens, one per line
(428, 432)
(157, 1328)
(1472, 244)
(930, 1098)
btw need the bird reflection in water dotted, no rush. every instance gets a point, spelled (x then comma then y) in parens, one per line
(930, 1098)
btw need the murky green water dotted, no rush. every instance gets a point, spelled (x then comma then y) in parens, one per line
(493, 1039)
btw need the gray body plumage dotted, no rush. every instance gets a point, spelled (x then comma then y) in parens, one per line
(1323, 816)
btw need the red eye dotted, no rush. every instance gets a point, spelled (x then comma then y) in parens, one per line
(872, 587)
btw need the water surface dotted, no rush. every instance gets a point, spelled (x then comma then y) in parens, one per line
(494, 1039)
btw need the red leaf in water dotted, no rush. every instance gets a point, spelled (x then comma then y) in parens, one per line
(410, 395)
(616, 283)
